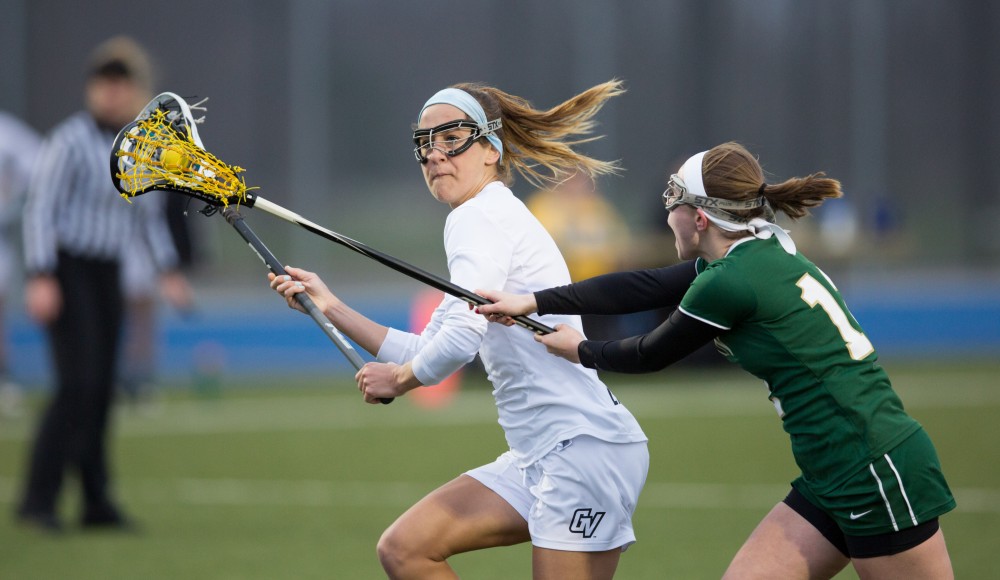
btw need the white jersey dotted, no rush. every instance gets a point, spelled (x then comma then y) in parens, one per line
(492, 241)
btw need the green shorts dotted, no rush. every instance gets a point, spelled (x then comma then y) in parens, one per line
(899, 490)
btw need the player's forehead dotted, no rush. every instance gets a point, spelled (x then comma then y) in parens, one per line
(440, 114)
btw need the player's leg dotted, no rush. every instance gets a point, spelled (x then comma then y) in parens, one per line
(461, 516)
(11, 394)
(790, 543)
(929, 560)
(11, 397)
(139, 283)
(554, 564)
(140, 335)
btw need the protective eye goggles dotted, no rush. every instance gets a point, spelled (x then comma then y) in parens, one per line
(451, 138)
(677, 194)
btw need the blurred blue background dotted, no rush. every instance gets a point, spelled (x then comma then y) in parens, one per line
(897, 99)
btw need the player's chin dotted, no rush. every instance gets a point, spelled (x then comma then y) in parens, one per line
(443, 190)
(437, 193)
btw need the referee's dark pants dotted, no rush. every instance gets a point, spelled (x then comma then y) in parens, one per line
(72, 432)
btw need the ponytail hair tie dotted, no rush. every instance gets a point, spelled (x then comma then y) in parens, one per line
(760, 190)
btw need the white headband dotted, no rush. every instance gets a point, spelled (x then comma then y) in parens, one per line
(468, 104)
(692, 174)
(759, 227)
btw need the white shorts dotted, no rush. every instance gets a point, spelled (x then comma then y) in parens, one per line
(579, 497)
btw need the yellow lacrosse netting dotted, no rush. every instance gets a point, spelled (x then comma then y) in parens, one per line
(155, 155)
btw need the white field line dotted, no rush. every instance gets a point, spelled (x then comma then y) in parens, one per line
(401, 494)
(338, 412)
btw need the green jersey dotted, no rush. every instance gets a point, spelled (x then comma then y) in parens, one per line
(785, 322)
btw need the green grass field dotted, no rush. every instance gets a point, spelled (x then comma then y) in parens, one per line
(297, 478)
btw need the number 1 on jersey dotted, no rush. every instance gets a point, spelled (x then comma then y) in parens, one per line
(814, 293)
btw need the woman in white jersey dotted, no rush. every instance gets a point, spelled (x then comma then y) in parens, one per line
(577, 458)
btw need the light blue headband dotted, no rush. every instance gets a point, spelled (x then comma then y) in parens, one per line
(471, 107)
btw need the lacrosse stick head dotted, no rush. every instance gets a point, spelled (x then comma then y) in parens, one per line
(161, 150)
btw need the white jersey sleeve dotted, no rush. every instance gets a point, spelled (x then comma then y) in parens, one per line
(478, 255)
(449, 341)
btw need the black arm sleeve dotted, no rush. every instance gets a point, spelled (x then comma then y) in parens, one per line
(677, 337)
(620, 292)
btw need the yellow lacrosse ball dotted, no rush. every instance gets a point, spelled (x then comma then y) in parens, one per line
(173, 160)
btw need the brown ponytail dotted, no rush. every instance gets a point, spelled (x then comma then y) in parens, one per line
(730, 172)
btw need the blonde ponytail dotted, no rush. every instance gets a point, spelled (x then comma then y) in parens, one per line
(540, 144)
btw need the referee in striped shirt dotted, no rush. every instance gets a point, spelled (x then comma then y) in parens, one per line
(75, 229)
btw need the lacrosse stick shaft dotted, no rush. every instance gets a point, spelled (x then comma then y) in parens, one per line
(400, 266)
(236, 220)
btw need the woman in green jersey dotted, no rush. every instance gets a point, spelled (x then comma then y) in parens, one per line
(871, 487)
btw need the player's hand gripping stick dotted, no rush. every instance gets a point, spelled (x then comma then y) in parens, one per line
(236, 220)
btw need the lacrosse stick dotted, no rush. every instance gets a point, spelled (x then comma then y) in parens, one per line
(236, 220)
(175, 117)
(161, 150)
